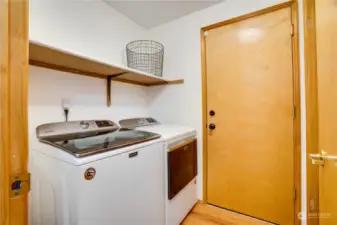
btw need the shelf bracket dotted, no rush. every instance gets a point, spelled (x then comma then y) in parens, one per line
(108, 87)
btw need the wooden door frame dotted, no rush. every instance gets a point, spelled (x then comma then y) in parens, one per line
(13, 107)
(311, 93)
(293, 5)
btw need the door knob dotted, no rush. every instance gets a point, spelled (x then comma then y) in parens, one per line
(317, 159)
(320, 159)
(212, 113)
(212, 126)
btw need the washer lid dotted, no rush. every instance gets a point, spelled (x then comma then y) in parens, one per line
(80, 146)
(84, 138)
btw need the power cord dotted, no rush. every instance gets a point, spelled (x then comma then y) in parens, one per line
(66, 112)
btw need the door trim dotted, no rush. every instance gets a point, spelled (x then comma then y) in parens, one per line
(296, 74)
(4, 155)
(311, 93)
(13, 107)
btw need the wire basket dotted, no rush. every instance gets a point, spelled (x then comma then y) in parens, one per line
(146, 56)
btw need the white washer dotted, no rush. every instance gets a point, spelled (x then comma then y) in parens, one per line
(176, 138)
(83, 176)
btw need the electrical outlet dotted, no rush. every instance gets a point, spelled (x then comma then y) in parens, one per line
(66, 103)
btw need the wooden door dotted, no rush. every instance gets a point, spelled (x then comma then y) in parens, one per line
(13, 107)
(326, 31)
(250, 144)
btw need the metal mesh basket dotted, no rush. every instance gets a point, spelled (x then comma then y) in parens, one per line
(146, 56)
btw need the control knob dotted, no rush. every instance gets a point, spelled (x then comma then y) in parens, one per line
(84, 125)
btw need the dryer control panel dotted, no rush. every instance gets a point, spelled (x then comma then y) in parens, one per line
(137, 122)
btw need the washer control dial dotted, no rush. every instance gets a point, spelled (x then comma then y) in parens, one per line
(84, 125)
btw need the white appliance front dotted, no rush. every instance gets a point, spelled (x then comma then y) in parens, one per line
(126, 189)
(179, 207)
(175, 135)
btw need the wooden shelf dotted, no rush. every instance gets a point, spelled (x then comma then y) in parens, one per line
(48, 57)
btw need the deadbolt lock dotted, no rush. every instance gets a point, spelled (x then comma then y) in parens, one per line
(212, 113)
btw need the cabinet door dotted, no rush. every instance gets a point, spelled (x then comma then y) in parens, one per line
(128, 189)
(182, 167)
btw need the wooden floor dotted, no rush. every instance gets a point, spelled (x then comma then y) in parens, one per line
(210, 215)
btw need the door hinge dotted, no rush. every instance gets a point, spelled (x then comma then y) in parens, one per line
(19, 185)
(292, 30)
(205, 33)
(295, 194)
(294, 113)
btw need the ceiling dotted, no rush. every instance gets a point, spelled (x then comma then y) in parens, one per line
(151, 13)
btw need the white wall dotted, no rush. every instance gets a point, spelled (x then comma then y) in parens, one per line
(89, 28)
(88, 99)
(181, 38)
(84, 27)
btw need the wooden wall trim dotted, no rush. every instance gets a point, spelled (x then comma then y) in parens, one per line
(204, 116)
(250, 15)
(297, 103)
(13, 106)
(297, 125)
(18, 103)
(4, 113)
(312, 123)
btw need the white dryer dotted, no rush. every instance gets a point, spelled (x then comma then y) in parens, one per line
(180, 146)
(89, 172)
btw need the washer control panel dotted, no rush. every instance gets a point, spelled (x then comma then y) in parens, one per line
(75, 127)
(105, 123)
(137, 122)
(84, 125)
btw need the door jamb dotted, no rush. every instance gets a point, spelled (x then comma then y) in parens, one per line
(13, 108)
(296, 74)
(311, 93)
